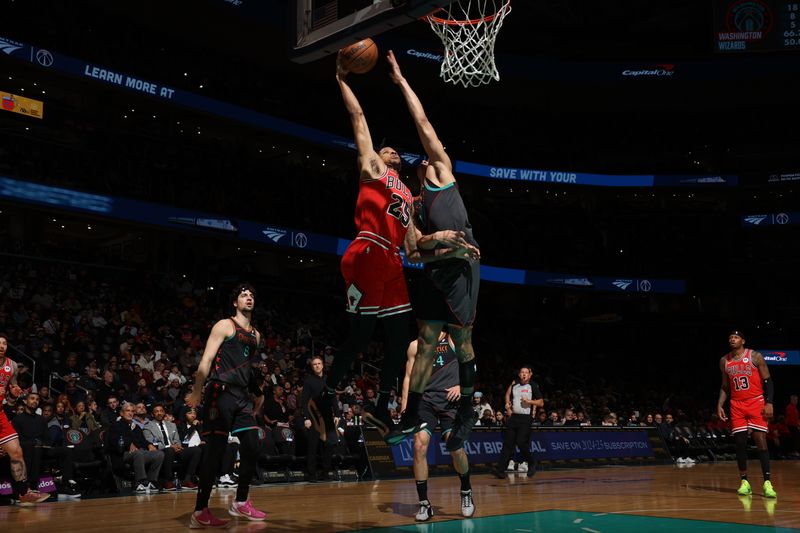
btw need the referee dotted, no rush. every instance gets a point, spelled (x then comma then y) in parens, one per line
(522, 398)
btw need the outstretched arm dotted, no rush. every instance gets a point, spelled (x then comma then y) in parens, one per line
(427, 135)
(369, 163)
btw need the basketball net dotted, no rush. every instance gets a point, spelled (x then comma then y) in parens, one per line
(468, 29)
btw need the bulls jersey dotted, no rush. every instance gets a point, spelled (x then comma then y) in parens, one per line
(383, 210)
(232, 365)
(6, 373)
(445, 369)
(744, 377)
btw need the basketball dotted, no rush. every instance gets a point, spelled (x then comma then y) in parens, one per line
(359, 57)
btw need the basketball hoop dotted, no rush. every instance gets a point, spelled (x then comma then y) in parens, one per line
(468, 29)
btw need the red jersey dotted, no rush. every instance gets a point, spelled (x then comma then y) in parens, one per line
(744, 377)
(6, 372)
(383, 210)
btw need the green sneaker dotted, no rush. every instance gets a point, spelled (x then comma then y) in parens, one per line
(745, 490)
(769, 492)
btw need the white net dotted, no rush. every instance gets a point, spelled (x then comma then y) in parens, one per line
(468, 30)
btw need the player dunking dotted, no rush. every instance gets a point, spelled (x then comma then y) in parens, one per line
(438, 406)
(452, 293)
(746, 379)
(373, 272)
(9, 440)
(232, 347)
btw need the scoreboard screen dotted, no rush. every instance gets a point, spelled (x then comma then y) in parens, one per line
(756, 25)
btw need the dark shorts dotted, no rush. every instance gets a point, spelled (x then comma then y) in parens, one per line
(449, 292)
(437, 411)
(227, 410)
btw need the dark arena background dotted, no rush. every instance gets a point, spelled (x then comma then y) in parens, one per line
(632, 177)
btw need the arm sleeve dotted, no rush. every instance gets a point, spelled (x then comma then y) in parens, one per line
(769, 390)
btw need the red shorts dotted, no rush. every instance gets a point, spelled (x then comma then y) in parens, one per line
(374, 279)
(7, 432)
(747, 414)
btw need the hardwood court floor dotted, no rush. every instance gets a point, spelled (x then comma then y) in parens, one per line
(636, 499)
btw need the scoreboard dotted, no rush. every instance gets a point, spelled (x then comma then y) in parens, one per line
(756, 25)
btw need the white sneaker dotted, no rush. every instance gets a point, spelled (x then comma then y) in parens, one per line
(511, 466)
(522, 467)
(680, 460)
(467, 505)
(141, 489)
(690, 461)
(226, 481)
(425, 512)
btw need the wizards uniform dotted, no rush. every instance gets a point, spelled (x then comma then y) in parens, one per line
(228, 408)
(435, 407)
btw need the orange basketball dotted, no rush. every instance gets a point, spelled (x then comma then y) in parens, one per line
(359, 57)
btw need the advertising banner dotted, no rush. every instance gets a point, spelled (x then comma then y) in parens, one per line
(46, 484)
(781, 357)
(109, 76)
(180, 219)
(557, 446)
(19, 104)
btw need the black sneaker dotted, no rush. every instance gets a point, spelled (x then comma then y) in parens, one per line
(531, 469)
(70, 491)
(462, 427)
(408, 426)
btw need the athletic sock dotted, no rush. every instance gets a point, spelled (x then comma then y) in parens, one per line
(422, 490)
(465, 483)
(743, 476)
(20, 487)
(763, 456)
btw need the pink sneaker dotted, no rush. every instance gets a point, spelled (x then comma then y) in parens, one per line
(32, 497)
(246, 510)
(204, 519)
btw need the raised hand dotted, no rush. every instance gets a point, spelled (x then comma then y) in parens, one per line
(394, 72)
(341, 72)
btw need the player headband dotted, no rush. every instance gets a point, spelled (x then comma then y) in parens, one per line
(736, 332)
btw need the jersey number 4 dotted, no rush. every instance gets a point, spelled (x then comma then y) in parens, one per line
(741, 383)
(400, 209)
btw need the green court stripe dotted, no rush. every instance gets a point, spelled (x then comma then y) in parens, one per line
(578, 522)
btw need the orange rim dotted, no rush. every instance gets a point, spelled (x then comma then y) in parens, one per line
(470, 22)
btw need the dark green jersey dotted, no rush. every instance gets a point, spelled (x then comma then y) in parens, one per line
(233, 363)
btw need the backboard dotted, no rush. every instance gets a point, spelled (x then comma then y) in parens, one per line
(318, 28)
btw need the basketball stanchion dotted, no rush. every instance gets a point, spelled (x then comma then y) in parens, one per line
(468, 30)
